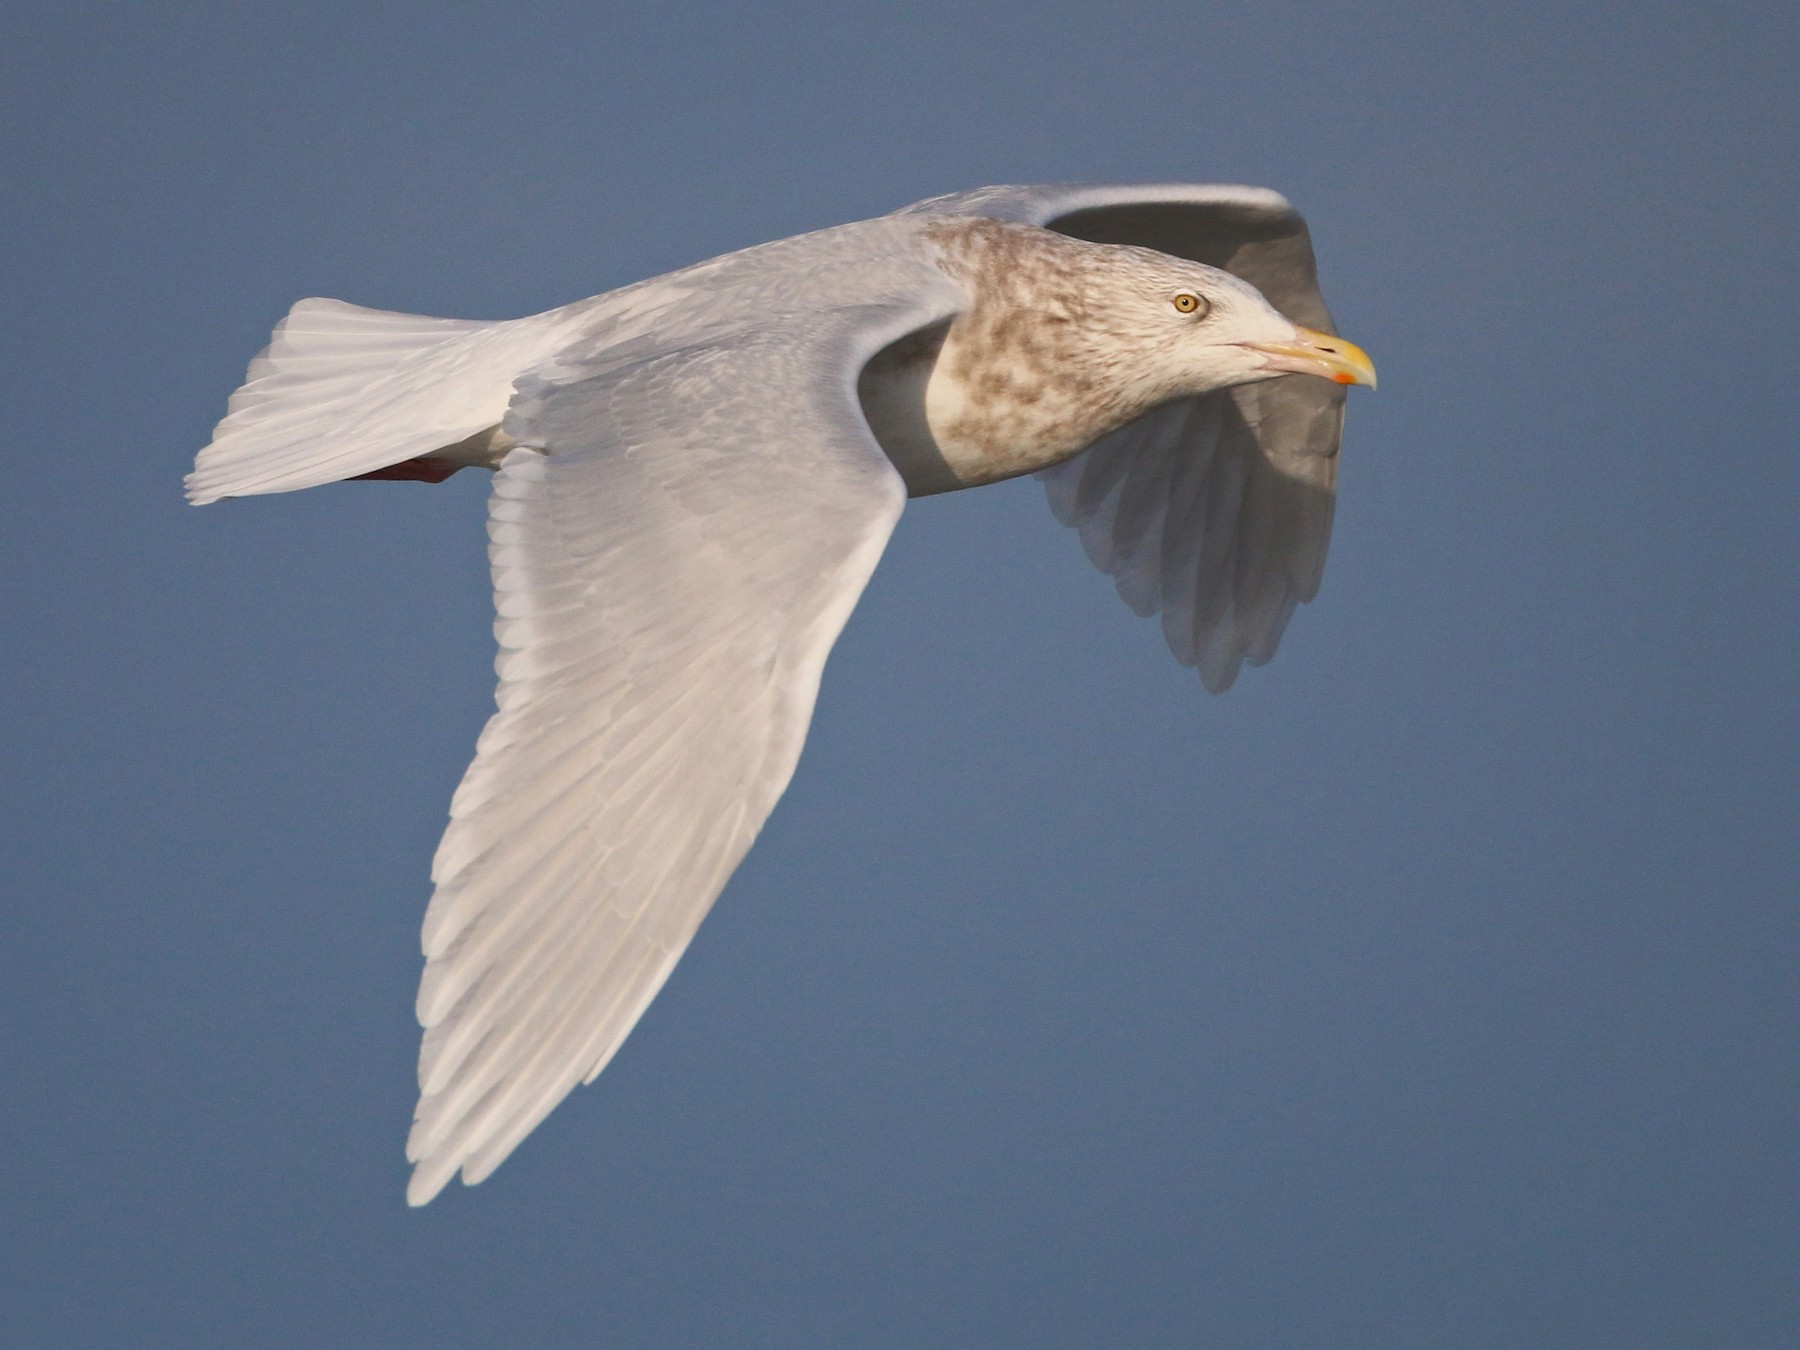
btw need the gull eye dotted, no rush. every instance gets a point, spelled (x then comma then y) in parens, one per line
(1189, 303)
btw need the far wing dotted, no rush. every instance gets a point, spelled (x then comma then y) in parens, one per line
(671, 566)
(1204, 510)
(1214, 510)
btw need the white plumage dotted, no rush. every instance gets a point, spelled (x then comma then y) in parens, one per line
(689, 499)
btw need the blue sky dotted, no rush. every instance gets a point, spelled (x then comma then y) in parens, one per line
(1435, 987)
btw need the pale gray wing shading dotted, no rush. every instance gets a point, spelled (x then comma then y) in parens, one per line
(1215, 511)
(671, 567)
(1198, 511)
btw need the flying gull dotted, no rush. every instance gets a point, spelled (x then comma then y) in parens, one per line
(694, 478)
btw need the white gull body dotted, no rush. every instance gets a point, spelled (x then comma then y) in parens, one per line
(696, 476)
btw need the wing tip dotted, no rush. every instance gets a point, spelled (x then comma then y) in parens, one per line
(429, 1177)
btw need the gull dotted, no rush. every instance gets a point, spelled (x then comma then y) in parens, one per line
(694, 477)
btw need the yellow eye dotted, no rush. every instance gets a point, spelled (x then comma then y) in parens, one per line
(1188, 303)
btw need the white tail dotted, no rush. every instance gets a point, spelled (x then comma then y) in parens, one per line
(342, 390)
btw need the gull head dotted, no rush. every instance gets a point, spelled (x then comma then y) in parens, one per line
(1065, 340)
(1166, 327)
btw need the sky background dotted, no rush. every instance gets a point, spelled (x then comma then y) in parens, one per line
(1436, 987)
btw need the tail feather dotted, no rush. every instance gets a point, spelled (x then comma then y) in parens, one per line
(342, 391)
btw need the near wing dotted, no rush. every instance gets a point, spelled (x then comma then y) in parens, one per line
(671, 565)
(1215, 510)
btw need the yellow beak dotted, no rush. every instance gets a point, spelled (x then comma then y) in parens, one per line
(1315, 353)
